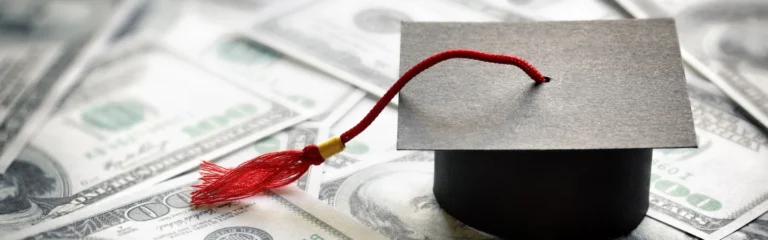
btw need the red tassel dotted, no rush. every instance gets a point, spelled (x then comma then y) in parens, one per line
(270, 170)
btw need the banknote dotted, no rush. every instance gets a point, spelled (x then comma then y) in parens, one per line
(295, 137)
(725, 41)
(22, 65)
(44, 46)
(164, 212)
(239, 56)
(143, 115)
(394, 197)
(716, 189)
(378, 139)
(357, 41)
(651, 229)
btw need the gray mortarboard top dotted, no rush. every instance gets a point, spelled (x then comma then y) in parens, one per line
(567, 158)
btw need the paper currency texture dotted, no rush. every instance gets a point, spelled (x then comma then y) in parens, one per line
(145, 115)
(165, 213)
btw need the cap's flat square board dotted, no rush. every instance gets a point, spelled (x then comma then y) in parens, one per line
(616, 84)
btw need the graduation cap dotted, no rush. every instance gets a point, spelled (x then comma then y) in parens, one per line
(570, 158)
(517, 158)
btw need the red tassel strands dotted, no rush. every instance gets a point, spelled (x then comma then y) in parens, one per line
(278, 169)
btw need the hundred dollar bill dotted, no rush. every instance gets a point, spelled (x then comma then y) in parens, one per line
(44, 46)
(240, 57)
(716, 189)
(725, 41)
(164, 212)
(394, 197)
(22, 66)
(378, 139)
(143, 115)
(356, 41)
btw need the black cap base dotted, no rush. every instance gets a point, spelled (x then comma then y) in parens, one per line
(574, 194)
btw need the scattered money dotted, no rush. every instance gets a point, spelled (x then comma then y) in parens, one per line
(44, 46)
(164, 212)
(724, 40)
(144, 115)
(356, 41)
(183, 25)
(712, 191)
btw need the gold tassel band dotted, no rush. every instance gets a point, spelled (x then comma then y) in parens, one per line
(330, 147)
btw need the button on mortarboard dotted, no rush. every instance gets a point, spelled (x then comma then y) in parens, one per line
(567, 158)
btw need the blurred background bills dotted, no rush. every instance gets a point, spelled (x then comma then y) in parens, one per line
(44, 46)
(108, 106)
